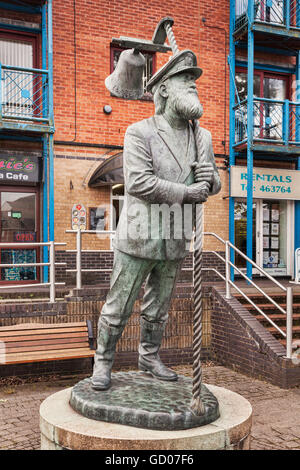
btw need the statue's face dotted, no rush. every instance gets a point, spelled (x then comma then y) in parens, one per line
(183, 97)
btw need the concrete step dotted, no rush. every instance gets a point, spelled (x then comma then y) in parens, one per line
(277, 317)
(272, 329)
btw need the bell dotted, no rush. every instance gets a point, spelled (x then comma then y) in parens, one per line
(126, 81)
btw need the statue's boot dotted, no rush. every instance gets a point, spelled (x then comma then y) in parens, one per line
(108, 337)
(149, 360)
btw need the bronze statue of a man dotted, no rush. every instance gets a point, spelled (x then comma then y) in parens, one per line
(160, 168)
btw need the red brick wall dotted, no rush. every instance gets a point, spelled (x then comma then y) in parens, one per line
(95, 28)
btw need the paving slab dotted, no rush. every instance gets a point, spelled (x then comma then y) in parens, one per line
(276, 412)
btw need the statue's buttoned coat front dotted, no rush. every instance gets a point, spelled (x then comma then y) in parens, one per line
(157, 171)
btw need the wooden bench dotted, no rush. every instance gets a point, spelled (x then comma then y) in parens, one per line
(32, 342)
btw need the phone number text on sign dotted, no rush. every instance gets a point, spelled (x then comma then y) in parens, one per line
(267, 183)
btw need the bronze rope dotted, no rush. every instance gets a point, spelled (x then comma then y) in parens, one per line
(197, 405)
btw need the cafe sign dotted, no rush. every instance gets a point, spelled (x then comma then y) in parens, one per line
(268, 183)
(20, 169)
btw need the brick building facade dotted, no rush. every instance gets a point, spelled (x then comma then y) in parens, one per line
(86, 38)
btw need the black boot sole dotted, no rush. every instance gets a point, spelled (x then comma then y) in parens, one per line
(100, 388)
(164, 379)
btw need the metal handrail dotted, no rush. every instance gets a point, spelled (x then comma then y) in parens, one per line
(79, 250)
(288, 290)
(51, 284)
(228, 245)
(24, 69)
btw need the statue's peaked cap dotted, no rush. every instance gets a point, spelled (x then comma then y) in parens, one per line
(183, 61)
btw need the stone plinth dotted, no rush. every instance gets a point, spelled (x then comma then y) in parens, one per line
(64, 428)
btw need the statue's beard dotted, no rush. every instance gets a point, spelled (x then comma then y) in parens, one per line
(186, 105)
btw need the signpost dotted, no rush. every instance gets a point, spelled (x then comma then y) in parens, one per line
(78, 217)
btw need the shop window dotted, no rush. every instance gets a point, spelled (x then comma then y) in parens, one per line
(19, 224)
(149, 68)
(20, 95)
(268, 115)
(97, 218)
(117, 199)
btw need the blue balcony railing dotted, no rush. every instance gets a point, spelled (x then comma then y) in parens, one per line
(24, 94)
(274, 122)
(285, 13)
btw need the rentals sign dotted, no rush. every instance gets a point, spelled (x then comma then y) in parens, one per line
(268, 183)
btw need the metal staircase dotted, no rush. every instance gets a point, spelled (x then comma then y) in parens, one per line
(273, 313)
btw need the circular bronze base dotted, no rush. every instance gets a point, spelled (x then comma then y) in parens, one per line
(137, 399)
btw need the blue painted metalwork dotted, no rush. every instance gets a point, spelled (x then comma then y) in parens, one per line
(269, 68)
(0, 92)
(51, 115)
(287, 12)
(250, 124)
(297, 216)
(21, 8)
(285, 122)
(51, 187)
(45, 148)
(297, 14)
(13, 27)
(23, 93)
(297, 203)
(270, 50)
(274, 121)
(20, 138)
(232, 89)
(45, 209)
(27, 105)
(273, 17)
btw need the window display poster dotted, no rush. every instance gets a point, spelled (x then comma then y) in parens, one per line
(266, 242)
(274, 243)
(266, 213)
(275, 229)
(265, 258)
(274, 257)
(266, 229)
(275, 215)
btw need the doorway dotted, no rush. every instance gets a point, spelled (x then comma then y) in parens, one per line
(273, 241)
(19, 211)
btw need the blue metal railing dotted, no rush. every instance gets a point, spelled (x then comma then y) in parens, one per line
(274, 121)
(277, 12)
(24, 94)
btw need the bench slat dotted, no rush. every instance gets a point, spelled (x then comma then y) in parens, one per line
(44, 332)
(58, 336)
(49, 356)
(44, 346)
(33, 326)
(51, 347)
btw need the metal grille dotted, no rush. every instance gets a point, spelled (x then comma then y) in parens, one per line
(268, 119)
(24, 93)
(295, 13)
(294, 123)
(241, 122)
(265, 11)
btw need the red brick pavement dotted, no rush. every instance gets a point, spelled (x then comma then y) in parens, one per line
(276, 412)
